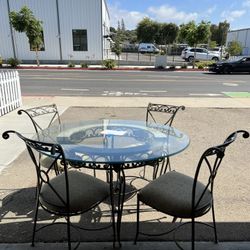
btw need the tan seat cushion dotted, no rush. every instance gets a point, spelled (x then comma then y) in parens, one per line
(84, 191)
(171, 193)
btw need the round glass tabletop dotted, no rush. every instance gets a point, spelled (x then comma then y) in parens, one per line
(115, 141)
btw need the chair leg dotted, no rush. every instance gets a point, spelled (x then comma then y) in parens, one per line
(35, 219)
(193, 233)
(138, 220)
(108, 176)
(68, 232)
(214, 224)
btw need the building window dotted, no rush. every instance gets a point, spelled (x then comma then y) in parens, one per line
(42, 47)
(80, 42)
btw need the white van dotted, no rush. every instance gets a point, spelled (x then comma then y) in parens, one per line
(147, 48)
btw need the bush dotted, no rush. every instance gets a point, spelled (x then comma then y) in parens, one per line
(1, 61)
(71, 65)
(13, 62)
(84, 65)
(203, 64)
(184, 66)
(109, 63)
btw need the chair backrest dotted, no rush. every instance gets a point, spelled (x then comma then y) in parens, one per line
(43, 175)
(169, 110)
(211, 160)
(33, 113)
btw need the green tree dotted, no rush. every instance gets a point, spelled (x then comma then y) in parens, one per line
(131, 36)
(194, 34)
(212, 44)
(25, 21)
(117, 49)
(123, 25)
(112, 29)
(222, 31)
(147, 30)
(219, 32)
(214, 33)
(167, 33)
(234, 48)
(118, 26)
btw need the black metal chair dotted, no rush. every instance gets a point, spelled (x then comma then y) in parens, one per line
(69, 193)
(184, 197)
(52, 115)
(155, 113)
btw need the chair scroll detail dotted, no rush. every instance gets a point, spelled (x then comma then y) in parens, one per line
(167, 114)
(51, 112)
(184, 197)
(171, 110)
(34, 112)
(69, 193)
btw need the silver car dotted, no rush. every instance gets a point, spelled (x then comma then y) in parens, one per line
(202, 54)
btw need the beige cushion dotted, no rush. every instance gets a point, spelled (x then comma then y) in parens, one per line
(171, 193)
(84, 191)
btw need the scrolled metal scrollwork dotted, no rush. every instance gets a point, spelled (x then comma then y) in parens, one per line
(42, 110)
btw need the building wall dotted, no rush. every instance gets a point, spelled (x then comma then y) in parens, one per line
(73, 14)
(44, 10)
(6, 50)
(79, 14)
(243, 37)
(106, 31)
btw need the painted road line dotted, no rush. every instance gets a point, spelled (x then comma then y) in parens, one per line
(238, 94)
(75, 89)
(153, 91)
(230, 84)
(209, 94)
(119, 93)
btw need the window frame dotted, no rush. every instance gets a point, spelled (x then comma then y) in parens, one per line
(82, 41)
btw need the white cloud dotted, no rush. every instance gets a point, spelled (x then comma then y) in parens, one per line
(163, 13)
(232, 15)
(246, 3)
(131, 18)
(211, 10)
(167, 13)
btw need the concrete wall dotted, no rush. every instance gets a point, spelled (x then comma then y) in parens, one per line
(243, 37)
(6, 49)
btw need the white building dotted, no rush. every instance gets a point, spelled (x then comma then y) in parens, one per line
(72, 29)
(242, 36)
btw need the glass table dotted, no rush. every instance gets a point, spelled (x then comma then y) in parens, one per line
(114, 146)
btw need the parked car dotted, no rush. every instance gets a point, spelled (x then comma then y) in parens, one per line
(221, 51)
(238, 65)
(147, 48)
(202, 54)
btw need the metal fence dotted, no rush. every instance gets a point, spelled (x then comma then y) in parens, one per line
(10, 91)
(148, 58)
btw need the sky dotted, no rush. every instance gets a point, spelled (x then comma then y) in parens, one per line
(236, 12)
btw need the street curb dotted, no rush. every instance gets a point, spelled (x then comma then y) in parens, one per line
(104, 69)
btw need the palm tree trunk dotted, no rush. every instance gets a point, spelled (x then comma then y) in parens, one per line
(37, 58)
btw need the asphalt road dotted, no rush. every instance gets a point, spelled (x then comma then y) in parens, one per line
(132, 83)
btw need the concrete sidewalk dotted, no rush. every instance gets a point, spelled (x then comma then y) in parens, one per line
(12, 148)
(130, 246)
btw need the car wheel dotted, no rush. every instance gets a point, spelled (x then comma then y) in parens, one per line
(215, 59)
(191, 59)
